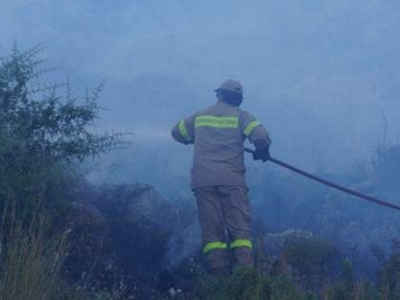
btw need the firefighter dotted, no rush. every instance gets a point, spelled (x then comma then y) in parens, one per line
(218, 175)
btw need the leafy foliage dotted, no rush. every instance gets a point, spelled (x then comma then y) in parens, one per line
(313, 260)
(42, 138)
(42, 135)
(50, 127)
(248, 283)
(389, 276)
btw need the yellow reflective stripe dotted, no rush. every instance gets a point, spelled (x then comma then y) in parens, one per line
(249, 128)
(241, 243)
(183, 131)
(218, 122)
(214, 245)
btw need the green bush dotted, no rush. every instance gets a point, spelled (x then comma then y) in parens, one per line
(312, 260)
(42, 134)
(389, 277)
(43, 137)
(248, 283)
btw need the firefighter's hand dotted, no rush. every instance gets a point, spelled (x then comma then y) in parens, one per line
(261, 154)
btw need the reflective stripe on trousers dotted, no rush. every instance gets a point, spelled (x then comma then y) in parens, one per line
(221, 245)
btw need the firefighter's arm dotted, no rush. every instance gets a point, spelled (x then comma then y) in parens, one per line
(254, 131)
(258, 135)
(182, 132)
(261, 141)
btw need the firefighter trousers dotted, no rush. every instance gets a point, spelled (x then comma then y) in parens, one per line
(225, 219)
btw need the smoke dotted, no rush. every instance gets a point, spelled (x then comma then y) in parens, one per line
(321, 75)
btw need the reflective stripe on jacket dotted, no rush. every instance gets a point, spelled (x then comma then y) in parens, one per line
(218, 134)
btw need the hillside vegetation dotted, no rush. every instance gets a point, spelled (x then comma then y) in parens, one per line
(64, 238)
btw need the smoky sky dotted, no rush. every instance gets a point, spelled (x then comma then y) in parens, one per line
(321, 75)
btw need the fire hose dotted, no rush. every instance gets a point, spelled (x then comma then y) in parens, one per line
(331, 184)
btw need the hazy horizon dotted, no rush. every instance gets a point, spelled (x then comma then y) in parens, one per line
(321, 75)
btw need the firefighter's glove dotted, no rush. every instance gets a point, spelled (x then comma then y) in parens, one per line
(261, 154)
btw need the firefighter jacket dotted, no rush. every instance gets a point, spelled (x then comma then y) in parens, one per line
(218, 134)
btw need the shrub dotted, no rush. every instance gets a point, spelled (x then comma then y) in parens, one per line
(248, 283)
(313, 261)
(389, 277)
(43, 137)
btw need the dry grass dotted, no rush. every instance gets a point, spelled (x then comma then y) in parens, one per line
(31, 259)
